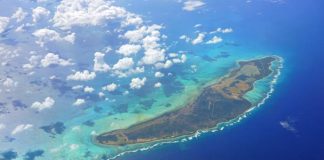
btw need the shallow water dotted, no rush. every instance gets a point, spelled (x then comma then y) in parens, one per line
(288, 29)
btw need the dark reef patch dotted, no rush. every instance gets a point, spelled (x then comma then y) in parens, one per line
(3, 108)
(54, 128)
(195, 80)
(97, 109)
(89, 123)
(87, 154)
(17, 104)
(33, 154)
(121, 108)
(116, 93)
(173, 88)
(222, 55)
(2, 104)
(60, 85)
(168, 105)
(171, 85)
(208, 58)
(38, 83)
(215, 58)
(9, 155)
(144, 91)
(9, 139)
(147, 104)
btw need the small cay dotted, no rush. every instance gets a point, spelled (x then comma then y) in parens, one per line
(217, 103)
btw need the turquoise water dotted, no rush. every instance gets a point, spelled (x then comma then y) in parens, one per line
(261, 28)
(81, 134)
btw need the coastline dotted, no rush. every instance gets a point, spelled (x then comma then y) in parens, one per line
(149, 145)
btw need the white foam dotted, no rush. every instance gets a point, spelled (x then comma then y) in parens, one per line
(220, 126)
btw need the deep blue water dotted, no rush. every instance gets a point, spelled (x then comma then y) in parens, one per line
(295, 31)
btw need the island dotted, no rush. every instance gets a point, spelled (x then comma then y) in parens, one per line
(217, 103)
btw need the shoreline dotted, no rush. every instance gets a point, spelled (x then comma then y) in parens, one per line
(219, 127)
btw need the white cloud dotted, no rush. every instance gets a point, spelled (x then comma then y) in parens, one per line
(107, 49)
(185, 38)
(153, 51)
(176, 60)
(157, 85)
(4, 21)
(215, 40)
(2, 126)
(149, 37)
(33, 62)
(125, 92)
(77, 87)
(41, 1)
(8, 52)
(19, 15)
(69, 38)
(227, 30)
(194, 68)
(125, 73)
(158, 74)
(9, 82)
(20, 28)
(54, 59)
(199, 39)
(151, 41)
(181, 59)
(47, 35)
(88, 89)
(74, 147)
(152, 56)
(39, 13)
(20, 128)
(192, 5)
(99, 63)
(82, 76)
(124, 63)
(46, 104)
(129, 49)
(222, 30)
(71, 13)
(173, 55)
(110, 87)
(167, 64)
(197, 25)
(288, 125)
(136, 35)
(101, 94)
(132, 19)
(79, 102)
(137, 83)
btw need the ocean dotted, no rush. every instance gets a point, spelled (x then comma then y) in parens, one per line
(293, 30)
(287, 126)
